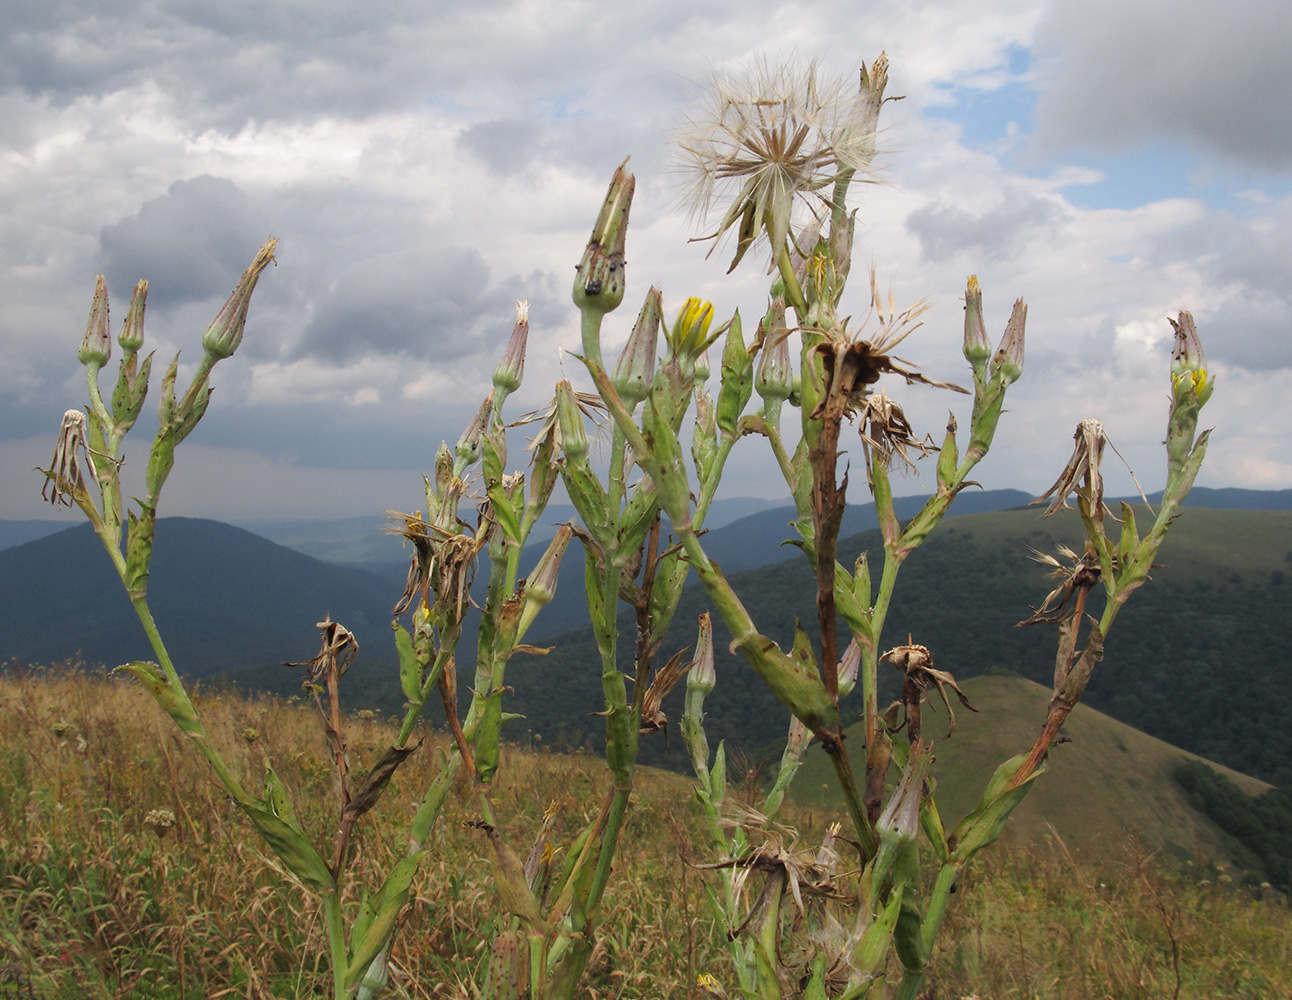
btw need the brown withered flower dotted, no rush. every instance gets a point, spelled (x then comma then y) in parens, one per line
(1081, 475)
(337, 651)
(443, 560)
(887, 434)
(1076, 578)
(916, 663)
(851, 366)
(666, 678)
(64, 472)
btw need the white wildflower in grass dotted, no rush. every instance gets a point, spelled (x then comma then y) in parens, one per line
(777, 134)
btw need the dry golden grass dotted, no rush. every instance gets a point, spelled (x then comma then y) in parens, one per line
(98, 900)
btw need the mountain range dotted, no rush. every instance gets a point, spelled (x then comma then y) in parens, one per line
(1198, 659)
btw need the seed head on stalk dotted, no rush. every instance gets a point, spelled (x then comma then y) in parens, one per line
(779, 133)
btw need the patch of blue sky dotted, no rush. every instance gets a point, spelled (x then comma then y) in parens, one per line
(568, 104)
(1158, 170)
(993, 108)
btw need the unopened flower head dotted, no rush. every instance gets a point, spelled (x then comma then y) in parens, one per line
(131, 337)
(977, 348)
(1007, 364)
(468, 446)
(510, 371)
(599, 275)
(1190, 381)
(775, 378)
(635, 369)
(224, 334)
(703, 677)
(778, 133)
(96, 345)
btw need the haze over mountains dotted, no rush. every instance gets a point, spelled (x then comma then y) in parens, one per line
(1199, 659)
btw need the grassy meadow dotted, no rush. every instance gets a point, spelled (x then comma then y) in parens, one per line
(124, 873)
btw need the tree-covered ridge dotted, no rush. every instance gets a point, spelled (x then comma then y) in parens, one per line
(1197, 662)
(1261, 826)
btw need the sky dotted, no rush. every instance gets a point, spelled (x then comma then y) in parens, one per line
(426, 165)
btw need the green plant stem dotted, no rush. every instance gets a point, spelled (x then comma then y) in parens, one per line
(793, 292)
(173, 682)
(336, 942)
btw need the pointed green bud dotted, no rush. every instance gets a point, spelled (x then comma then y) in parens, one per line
(511, 369)
(468, 447)
(737, 379)
(131, 337)
(540, 585)
(703, 677)
(224, 334)
(443, 473)
(635, 369)
(1007, 365)
(574, 437)
(977, 348)
(948, 456)
(702, 369)
(775, 378)
(96, 346)
(899, 823)
(849, 667)
(704, 439)
(599, 277)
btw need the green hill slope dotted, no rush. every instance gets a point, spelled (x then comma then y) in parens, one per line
(1111, 781)
(1199, 658)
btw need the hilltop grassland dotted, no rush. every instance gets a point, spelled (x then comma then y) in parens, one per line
(125, 873)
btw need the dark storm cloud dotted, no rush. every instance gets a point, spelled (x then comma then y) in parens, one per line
(1116, 74)
(191, 243)
(946, 230)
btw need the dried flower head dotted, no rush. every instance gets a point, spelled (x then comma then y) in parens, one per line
(1081, 474)
(64, 472)
(779, 133)
(1077, 576)
(887, 434)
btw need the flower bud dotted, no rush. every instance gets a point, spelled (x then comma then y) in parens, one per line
(574, 437)
(702, 677)
(899, 823)
(635, 369)
(774, 380)
(737, 379)
(1007, 365)
(96, 346)
(131, 337)
(467, 449)
(849, 667)
(540, 585)
(977, 348)
(702, 367)
(224, 334)
(511, 369)
(1189, 377)
(689, 336)
(599, 277)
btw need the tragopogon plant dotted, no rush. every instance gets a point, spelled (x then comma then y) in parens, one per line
(775, 158)
(779, 139)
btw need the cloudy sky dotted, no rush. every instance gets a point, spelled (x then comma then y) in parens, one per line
(425, 165)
